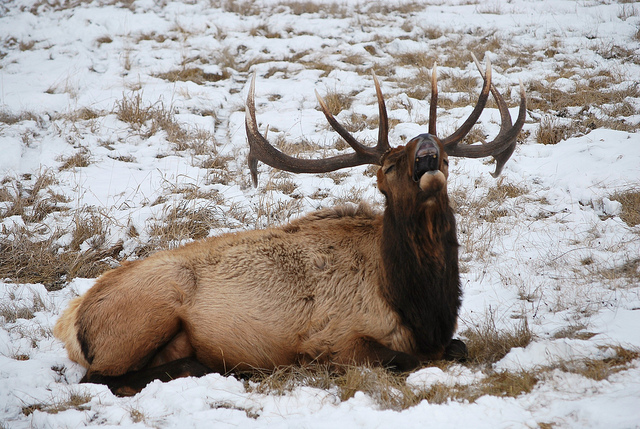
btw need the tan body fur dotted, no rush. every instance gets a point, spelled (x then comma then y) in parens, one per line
(305, 291)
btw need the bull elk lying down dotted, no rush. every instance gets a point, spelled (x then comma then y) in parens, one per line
(338, 286)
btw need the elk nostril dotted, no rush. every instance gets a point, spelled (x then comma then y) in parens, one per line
(426, 163)
(427, 158)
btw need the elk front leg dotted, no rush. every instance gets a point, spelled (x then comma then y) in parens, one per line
(367, 350)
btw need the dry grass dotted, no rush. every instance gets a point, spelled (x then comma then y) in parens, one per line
(71, 401)
(500, 384)
(30, 198)
(337, 176)
(193, 74)
(602, 369)
(185, 221)
(356, 122)
(240, 7)
(418, 59)
(269, 213)
(26, 45)
(136, 415)
(31, 251)
(625, 274)
(80, 159)
(627, 10)
(9, 118)
(84, 114)
(250, 411)
(388, 390)
(148, 119)
(478, 229)
(337, 101)
(140, 116)
(419, 87)
(264, 30)
(552, 131)
(104, 40)
(487, 344)
(123, 158)
(11, 311)
(281, 183)
(574, 331)
(630, 200)
(28, 258)
(297, 148)
(351, 196)
(593, 90)
(491, 8)
(501, 191)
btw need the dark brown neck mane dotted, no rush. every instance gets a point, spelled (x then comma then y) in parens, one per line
(421, 279)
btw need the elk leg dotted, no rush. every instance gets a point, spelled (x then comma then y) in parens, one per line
(370, 351)
(133, 382)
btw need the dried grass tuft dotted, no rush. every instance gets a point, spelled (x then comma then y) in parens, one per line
(602, 369)
(71, 401)
(487, 344)
(337, 101)
(27, 258)
(551, 131)
(31, 198)
(630, 200)
(184, 221)
(80, 159)
(32, 252)
(193, 74)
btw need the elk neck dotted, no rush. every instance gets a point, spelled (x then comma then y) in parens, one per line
(420, 280)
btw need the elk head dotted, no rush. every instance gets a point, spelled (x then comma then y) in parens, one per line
(422, 164)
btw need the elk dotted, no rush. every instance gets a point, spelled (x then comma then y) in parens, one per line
(339, 286)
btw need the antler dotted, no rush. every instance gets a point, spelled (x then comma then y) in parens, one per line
(504, 144)
(500, 148)
(261, 150)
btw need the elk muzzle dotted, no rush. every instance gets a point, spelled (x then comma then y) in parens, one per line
(427, 161)
(426, 156)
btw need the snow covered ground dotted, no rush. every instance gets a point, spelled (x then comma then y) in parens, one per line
(553, 250)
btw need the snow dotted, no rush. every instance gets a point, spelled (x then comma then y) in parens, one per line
(529, 263)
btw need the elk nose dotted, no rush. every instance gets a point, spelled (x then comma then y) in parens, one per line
(426, 156)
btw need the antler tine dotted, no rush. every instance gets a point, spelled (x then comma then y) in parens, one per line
(502, 157)
(433, 107)
(457, 136)
(383, 127)
(261, 150)
(508, 134)
(383, 120)
(503, 145)
(346, 135)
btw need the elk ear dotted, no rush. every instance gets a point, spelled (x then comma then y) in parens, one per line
(382, 181)
(411, 150)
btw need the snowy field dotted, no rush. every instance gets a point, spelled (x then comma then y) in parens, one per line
(122, 132)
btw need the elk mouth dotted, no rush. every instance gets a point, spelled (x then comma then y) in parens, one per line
(427, 157)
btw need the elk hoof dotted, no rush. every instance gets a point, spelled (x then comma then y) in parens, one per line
(456, 351)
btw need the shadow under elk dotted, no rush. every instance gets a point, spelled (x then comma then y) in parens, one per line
(338, 286)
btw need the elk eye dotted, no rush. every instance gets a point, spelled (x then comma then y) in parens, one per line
(445, 162)
(389, 168)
